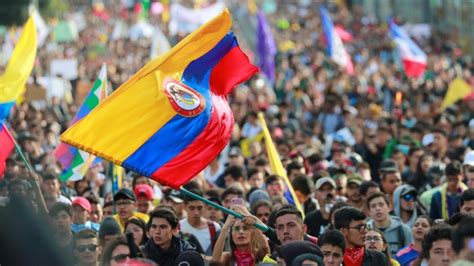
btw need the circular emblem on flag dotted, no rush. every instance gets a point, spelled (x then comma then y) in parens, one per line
(185, 100)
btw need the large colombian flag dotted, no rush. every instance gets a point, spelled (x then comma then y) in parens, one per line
(172, 118)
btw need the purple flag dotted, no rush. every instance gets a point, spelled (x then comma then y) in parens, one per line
(266, 47)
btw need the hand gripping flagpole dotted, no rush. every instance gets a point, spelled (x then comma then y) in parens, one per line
(262, 227)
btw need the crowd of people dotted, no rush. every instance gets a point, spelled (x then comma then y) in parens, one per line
(383, 174)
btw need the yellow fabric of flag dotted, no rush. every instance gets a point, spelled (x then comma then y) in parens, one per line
(275, 161)
(458, 89)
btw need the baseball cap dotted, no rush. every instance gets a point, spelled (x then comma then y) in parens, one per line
(388, 166)
(124, 193)
(427, 139)
(144, 190)
(407, 189)
(176, 196)
(325, 180)
(469, 159)
(83, 202)
(354, 179)
(235, 151)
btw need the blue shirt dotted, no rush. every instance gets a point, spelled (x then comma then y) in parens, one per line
(75, 228)
(407, 255)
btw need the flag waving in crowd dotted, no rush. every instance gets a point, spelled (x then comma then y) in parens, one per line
(413, 58)
(6, 146)
(175, 108)
(20, 65)
(335, 47)
(74, 161)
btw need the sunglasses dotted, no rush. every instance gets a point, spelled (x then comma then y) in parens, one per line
(84, 248)
(409, 197)
(120, 257)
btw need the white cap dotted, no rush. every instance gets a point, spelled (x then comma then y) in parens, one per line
(427, 139)
(469, 159)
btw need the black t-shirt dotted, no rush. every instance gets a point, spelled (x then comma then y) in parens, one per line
(316, 223)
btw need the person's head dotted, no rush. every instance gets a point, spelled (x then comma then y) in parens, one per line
(289, 225)
(453, 175)
(436, 246)
(176, 199)
(275, 185)
(338, 205)
(137, 227)
(194, 208)
(469, 173)
(140, 180)
(51, 184)
(466, 202)
(375, 240)
(108, 209)
(299, 253)
(379, 207)
(440, 141)
(351, 222)
(234, 174)
(407, 198)
(463, 239)
(96, 210)
(241, 234)
(116, 252)
(367, 188)
(18, 189)
(235, 157)
(399, 158)
(325, 192)
(109, 229)
(144, 194)
(230, 193)
(353, 185)
(295, 169)
(86, 247)
(390, 181)
(256, 178)
(126, 202)
(332, 245)
(161, 227)
(62, 217)
(262, 209)
(421, 227)
(303, 186)
(341, 184)
(212, 213)
(81, 210)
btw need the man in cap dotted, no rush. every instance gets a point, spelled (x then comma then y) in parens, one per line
(390, 177)
(81, 210)
(405, 204)
(176, 199)
(126, 203)
(145, 195)
(468, 168)
(325, 195)
(352, 193)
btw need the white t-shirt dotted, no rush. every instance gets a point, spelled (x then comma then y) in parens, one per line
(203, 235)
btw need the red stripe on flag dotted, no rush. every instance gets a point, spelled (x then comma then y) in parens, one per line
(6, 146)
(233, 69)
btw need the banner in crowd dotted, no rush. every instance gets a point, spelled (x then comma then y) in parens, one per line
(276, 165)
(266, 47)
(74, 161)
(413, 58)
(171, 118)
(335, 47)
(185, 20)
(20, 65)
(6, 146)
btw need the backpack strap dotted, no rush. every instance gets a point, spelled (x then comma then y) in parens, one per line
(401, 237)
(212, 232)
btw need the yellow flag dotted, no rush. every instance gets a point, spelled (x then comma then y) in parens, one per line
(275, 162)
(458, 89)
(20, 65)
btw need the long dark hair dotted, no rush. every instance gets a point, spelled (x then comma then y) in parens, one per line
(140, 223)
(387, 254)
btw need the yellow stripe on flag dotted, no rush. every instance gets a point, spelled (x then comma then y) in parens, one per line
(20, 65)
(458, 89)
(275, 162)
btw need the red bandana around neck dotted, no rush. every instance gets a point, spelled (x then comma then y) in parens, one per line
(354, 256)
(243, 257)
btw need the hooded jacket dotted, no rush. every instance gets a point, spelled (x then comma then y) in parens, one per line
(398, 234)
(397, 205)
(166, 257)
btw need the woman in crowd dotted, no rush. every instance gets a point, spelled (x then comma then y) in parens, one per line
(375, 240)
(137, 227)
(407, 255)
(248, 244)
